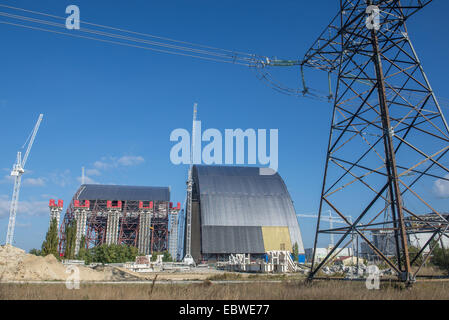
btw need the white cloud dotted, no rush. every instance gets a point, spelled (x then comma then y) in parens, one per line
(35, 182)
(113, 162)
(102, 165)
(22, 225)
(30, 208)
(61, 179)
(7, 179)
(93, 172)
(441, 188)
(87, 180)
(106, 163)
(48, 196)
(128, 161)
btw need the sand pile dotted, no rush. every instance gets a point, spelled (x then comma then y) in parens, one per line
(17, 265)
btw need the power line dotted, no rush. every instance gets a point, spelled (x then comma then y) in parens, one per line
(119, 43)
(127, 31)
(181, 48)
(219, 57)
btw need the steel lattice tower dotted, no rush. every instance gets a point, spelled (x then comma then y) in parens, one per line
(388, 135)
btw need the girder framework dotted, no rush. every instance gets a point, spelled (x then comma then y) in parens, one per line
(119, 222)
(388, 137)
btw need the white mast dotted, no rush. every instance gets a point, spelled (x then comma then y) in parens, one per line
(188, 257)
(83, 176)
(17, 171)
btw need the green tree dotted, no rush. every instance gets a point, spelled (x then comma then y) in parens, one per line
(413, 252)
(166, 256)
(36, 252)
(112, 254)
(70, 240)
(51, 242)
(440, 257)
(84, 253)
(295, 251)
(132, 253)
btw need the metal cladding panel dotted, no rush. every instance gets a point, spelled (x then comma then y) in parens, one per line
(240, 196)
(276, 238)
(131, 193)
(232, 239)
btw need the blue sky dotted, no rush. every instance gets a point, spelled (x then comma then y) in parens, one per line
(112, 108)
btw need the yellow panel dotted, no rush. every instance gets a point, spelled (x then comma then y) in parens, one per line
(276, 238)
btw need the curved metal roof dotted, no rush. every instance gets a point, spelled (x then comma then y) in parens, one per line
(131, 193)
(240, 196)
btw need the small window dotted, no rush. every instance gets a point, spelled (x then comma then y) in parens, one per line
(282, 246)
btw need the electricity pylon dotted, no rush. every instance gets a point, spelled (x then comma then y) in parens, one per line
(388, 133)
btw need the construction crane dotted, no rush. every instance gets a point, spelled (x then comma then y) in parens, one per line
(188, 257)
(17, 172)
(331, 219)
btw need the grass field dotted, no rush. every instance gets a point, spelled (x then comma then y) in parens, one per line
(287, 290)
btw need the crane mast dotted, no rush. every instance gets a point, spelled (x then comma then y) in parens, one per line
(188, 257)
(17, 172)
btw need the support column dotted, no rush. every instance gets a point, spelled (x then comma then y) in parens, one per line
(112, 226)
(81, 221)
(55, 211)
(145, 214)
(173, 230)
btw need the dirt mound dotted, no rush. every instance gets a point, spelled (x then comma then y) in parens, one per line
(17, 265)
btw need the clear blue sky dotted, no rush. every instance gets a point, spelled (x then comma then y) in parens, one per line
(112, 108)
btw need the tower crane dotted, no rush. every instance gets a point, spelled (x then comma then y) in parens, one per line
(331, 219)
(17, 172)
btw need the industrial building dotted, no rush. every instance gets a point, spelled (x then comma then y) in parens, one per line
(142, 217)
(424, 232)
(321, 253)
(236, 210)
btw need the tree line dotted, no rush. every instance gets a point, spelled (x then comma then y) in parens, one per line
(100, 254)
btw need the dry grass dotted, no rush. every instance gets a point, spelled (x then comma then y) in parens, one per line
(230, 276)
(207, 290)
